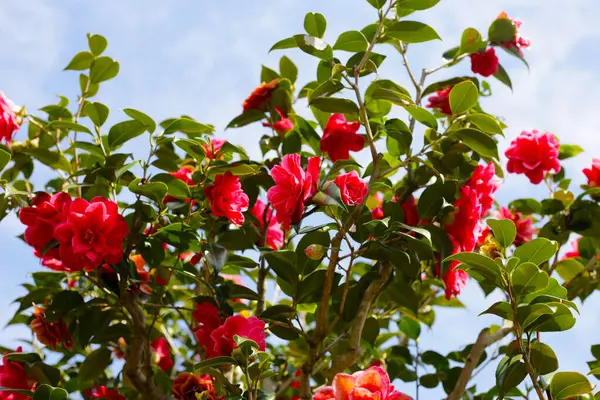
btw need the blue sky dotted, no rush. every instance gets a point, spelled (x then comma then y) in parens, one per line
(202, 59)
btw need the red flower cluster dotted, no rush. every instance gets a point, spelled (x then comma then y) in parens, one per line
(50, 333)
(409, 207)
(14, 376)
(212, 149)
(187, 385)
(370, 384)
(293, 187)
(340, 138)
(525, 229)
(282, 126)
(184, 174)
(8, 119)
(518, 43)
(484, 64)
(593, 173)
(274, 235)
(353, 189)
(227, 198)
(533, 154)
(102, 392)
(216, 337)
(261, 96)
(162, 353)
(441, 101)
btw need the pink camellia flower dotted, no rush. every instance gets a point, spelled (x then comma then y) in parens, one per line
(212, 149)
(518, 43)
(183, 174)
(161, 348)
(485, 182)
(14, 376)
(249, 328)
(370, 384)
(282, 126)
(340, 138)
(574, 252)
(441, 101)
(377, 212)
(593, 173)
(534, 154)
(8, 119)
(104, 393)
(352, 188)
(227, 198)
(208, 319)
(484, 64)
(275, 236)
(42, 217)
(92, 234)
(525, 229)
(293, 186)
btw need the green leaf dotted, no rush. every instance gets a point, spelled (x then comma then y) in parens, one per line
(176, 187)
(377, 3)
(44, 373)
(393, 96)
(478, 141)
(188, 126)
(527, 278)
(423, 116)
(401, 293)
(542, 357)
(241, 292)
(267, 74)
(437, 86)
(530, 313)
(192, 147)
(501, 30)
(416, 4)
(68, 126)
(214, 362)
(287, 43)
(510, 372)
(335, 105)
(5, 156)
(569, 268)
(97, 112)
(314, 46)
(246, 118)
(565, 385)
(152, 190)
(123, 132)
(504, 230)
(50, 158)
(471, 42)
(351, 41)
(95, 364)
(526, 206)
(315, 24)
(283, 263)
(537, 251)
(409, 327)
(483, 266)
(412, 32)
(568, 151)
(142, 118)
(433, 197)
(486, 123)
(29, 358)
(503, 77)
(501, 309)
(81, 61)
(288, 69)
(103, 69)
(561, 320)
(97, 43)
(463, 97)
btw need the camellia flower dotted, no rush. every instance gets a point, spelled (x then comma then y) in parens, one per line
(8, 119)
(187, 385)
(352, 188)
(184, 174)
(314, 169)
(249, 328)
(161, 348)
(574, 252)
(518, 43)
(484, 64)
(282, 126)
(212, 149)
(261, 96)
(593, 173)
(534, 154)
(411, 215)
(50, 333)
(227, 198)
(370, 384)
(102, 392)
(208, 319)
(51, 259)
(485, 183)
(93, 233)
(466, 226)
(377, 212)
(14, 376)
(441, 101)
(293, 186)
(525, 229)
(340, 138)
(274, 234)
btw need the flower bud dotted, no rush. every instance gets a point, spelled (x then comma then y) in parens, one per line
(315, 252)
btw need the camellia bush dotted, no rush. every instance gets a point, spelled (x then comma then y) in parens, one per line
(197, 273)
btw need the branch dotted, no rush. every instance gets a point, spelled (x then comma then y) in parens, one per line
(483, 340)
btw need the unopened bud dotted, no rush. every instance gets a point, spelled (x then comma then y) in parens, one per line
(315, 252)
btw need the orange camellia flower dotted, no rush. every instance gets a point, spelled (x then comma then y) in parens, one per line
(187, 385)
(261, 96)
(371, 384)
(50, 333)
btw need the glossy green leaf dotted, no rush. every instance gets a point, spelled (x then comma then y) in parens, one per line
(526, 206)
(486, 123)
(501, 30)
(142, 118)
(81, 61)
(287, 43)
(103, 69)
(377, 3)
(5, 156)
(412, 32)
(214, 362)
(565, 385)
(471, 41)
(416, 4)
(423, 116)
(246, 118)
(393, 96)
(188, 126)
(153, 190)
(503, 77)
(351, 41)
(315, 24)
(504, 230)
(561, 320)
(542, 357)
(95, 364)
(68, 126)
(335, 105)
(97, 112)
(537, 251)
(50, 158)
(568, 151)
(314, 46)
(501, 309)
(510, 372)
(410, 327)
(528, 314)
(123, 132)
(288, 69)
(482, 265)
(478, 141)
(527, 278)
(97, 44)
(463, 97)
(283, 263)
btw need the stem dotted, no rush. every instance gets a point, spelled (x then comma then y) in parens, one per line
(76, 120)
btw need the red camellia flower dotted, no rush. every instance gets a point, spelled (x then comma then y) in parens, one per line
(370, 384)
(227, 198)
(14, 376)
(212, 149)
(183, 174)
(441, 101)
(574, 252)
(340, 138)
(274, 234)
(8, 119)
(533, 154)
(484, 64)
(163, 354)
(466, 226)
(411, 215)
(455, 280)
(261, 96)
(102, 392)
(208, 319)
(518, 43)
(293, 186)
(249, 328)
(50, 333)
(525, 229)
(51, 259)
(282, 126)
(593, 173)
(352, 188)
(314, 169)
(485, 183)
(186, 385)
(93, 233)
(377, 212)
